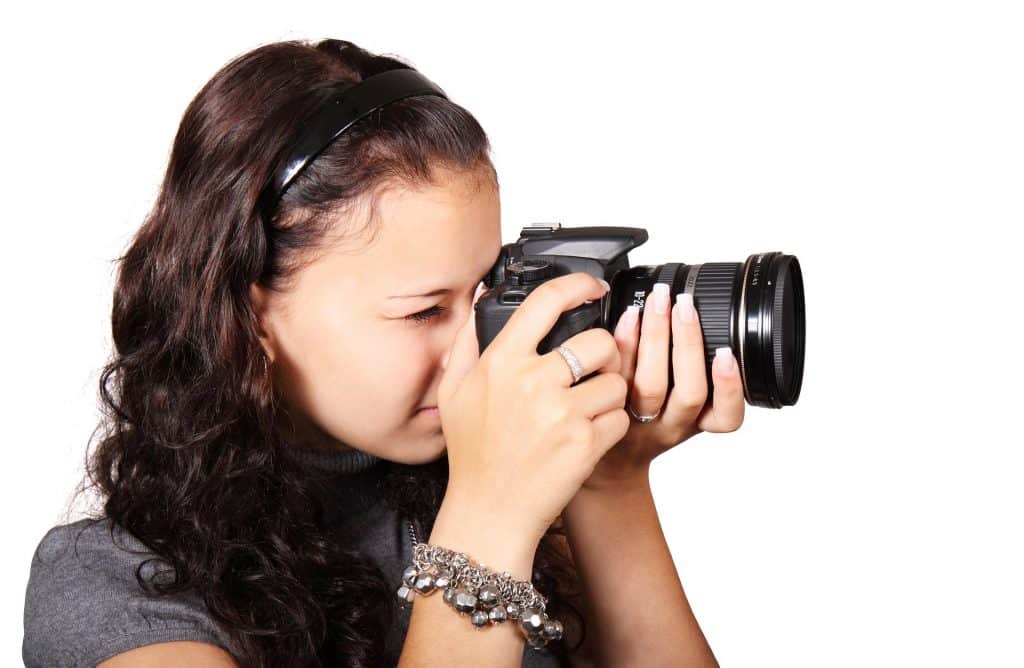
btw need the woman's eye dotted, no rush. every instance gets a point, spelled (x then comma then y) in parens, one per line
(424, 316)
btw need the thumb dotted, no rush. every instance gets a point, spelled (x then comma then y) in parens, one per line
(464, 352)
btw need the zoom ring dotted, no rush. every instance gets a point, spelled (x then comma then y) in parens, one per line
(713, 294)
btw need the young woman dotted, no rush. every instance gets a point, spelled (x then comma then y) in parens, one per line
(297, 381)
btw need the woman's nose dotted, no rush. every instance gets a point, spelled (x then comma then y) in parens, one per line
(457, 322)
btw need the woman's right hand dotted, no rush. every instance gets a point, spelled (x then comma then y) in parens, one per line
(521, 440)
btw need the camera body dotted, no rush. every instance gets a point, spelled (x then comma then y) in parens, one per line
(756, 307)
(545, 251)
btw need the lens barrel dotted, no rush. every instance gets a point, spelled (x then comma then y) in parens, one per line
(755, 307)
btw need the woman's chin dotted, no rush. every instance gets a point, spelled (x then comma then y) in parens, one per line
(422, 450)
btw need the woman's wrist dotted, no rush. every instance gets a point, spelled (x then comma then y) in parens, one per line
(487, 539)
(484, 564)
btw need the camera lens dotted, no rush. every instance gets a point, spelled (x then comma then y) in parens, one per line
(754, 307)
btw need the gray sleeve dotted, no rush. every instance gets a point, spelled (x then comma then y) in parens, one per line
(83, 604)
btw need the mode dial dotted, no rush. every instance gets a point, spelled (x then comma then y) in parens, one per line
(530, 271)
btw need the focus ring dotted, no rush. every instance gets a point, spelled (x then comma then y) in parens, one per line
(715, 290)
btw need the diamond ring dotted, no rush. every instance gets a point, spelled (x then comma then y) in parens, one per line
(642, 419)
(573, 362)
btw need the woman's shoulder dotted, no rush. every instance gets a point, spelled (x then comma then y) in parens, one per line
(83, 603)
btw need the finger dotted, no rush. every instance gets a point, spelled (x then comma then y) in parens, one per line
(727, 407)
(627, 335)
(609, 429)
(594, 348)
(650, 379)
(599, 394)
(536, 316)
(690, 391)
(463, 353)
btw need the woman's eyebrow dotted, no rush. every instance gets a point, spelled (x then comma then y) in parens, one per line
(432, 293)
(442, 291)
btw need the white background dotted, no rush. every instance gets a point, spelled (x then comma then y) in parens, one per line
(875, 523)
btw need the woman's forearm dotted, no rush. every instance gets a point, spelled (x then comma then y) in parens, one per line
(438, 636)
(634, 599)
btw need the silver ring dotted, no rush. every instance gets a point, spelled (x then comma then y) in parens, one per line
(573, 362)
(642, 419)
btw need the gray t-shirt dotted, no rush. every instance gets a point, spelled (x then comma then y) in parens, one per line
(83, 604)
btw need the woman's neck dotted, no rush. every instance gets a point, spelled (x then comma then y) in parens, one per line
(314, 447)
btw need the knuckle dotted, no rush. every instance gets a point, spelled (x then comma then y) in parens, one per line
(693, 400)
(621, 386)
(577, 280)
(623, 390)
(562, 284)
(613, 354)
(624, 421)
(538, 297)
(557, 412)
(650, 393)
(550, 291)
(550, 294)
(587, 279)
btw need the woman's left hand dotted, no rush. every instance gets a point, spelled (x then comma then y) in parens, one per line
(644, 348)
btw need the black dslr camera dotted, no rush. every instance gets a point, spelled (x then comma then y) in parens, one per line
(754, 307)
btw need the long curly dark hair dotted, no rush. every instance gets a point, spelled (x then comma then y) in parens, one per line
(190, 459)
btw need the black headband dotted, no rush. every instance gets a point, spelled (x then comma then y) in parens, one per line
(338, 115)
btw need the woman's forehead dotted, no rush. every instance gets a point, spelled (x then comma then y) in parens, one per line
(425, 238)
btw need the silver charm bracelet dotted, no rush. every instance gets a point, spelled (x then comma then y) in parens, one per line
(488, 597)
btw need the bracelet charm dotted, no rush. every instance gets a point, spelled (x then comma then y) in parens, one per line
(474, 590)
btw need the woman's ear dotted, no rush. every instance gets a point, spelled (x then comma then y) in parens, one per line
(259, 296)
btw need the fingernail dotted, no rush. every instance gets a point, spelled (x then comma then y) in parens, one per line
(605, 284)
(628, 318)
(727, 361)
(661, 298)
(686, 311)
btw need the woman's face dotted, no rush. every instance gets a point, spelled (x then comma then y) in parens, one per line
(348, 354)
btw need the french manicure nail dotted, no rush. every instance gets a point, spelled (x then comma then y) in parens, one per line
(727, 360)
(661, 298)
(605, 284)
(628, 318)
(686, 311)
